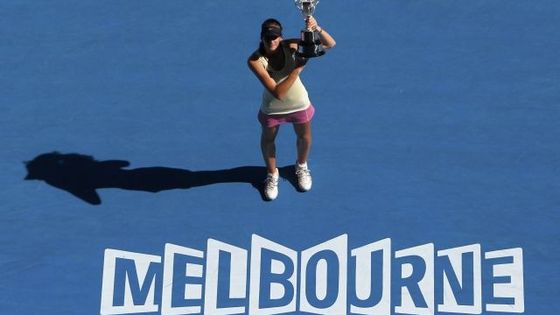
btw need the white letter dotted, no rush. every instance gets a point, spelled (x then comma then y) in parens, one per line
(192, 291)
(141, 266)
(513, 288)
(282, 290)
(237, 277)
(424, 285)
(450, 304)
(321, 257)
(363, 277)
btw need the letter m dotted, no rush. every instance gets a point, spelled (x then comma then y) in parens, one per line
(129, 282)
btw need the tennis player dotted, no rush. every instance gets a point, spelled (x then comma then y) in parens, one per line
(285, 99)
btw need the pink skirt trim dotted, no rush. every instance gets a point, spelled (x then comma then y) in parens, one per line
(299, 117)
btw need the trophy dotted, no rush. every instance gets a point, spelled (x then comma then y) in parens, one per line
(310, 44)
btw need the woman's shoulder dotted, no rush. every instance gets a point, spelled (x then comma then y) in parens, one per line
(257, 58)
(256, 55)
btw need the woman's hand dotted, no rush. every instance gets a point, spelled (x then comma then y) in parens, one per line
(311, 23)
(326, 39)
(300, 63)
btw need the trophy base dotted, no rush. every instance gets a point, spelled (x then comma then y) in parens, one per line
(310, 51)
(310, 45)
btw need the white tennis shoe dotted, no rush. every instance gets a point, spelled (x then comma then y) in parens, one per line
(271, 185)
(303, 175)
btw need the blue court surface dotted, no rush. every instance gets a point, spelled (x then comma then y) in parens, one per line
(131, 167)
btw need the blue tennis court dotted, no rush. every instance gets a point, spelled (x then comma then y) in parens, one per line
(132, 174)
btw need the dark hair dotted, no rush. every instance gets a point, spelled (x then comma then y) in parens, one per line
(271, 22)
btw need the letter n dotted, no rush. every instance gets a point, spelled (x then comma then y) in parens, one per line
(462, 280)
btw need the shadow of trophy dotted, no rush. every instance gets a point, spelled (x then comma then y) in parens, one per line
(310, 44)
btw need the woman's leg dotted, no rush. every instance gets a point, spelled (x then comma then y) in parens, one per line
(268, 147)
(303, 133)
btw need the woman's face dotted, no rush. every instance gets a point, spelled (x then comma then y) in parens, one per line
(271, 43)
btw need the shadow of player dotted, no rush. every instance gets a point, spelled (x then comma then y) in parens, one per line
(81, 175)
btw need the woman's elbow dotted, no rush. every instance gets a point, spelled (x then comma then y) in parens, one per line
(278, 94)
(330, 45)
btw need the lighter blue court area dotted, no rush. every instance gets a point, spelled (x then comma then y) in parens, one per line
(437, 122)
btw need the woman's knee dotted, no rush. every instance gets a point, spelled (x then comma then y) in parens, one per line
(303, 132)
(268, 135)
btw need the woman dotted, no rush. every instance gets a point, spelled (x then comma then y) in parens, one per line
(285, 99)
